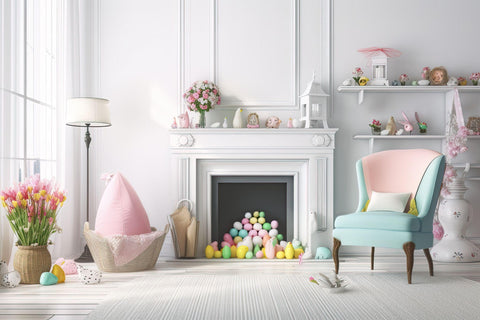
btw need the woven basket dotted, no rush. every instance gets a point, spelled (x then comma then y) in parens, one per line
(103, 256)
(31, 262)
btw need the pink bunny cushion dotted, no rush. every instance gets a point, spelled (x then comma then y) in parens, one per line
(120, 211)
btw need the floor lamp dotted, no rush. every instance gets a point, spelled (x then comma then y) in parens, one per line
(89, 113)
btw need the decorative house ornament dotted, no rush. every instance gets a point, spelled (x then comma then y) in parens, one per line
(313, 105)
(378, 58)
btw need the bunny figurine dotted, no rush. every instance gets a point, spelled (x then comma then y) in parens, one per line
(407, 125)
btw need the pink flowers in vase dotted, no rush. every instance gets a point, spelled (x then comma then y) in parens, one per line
(403, 79)
(202, 96)
(475, 77)
(357, 74)
(32, 208)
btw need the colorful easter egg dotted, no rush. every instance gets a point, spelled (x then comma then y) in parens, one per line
(214, 245)
(243, 233)
(269, 249)
(298, 252)
(245, 220)
(248, 215)
(273, 233)
(257, 240)
(237, 239)
(274, 224)
(59, 273)
(217, 254)
(227, 237)
(274, 241)
(89, 276)
(279, 237)
(257, 226)
(249, 255)
(256, 249)
(262, 233)
(48, 279)
(253, 220)
(259, 254)
(226, 252)
(265, 239)
(209, 252)
(247, 226)
(267, 226)
(283, 243)
(278, 248)
(10, 279)
(238, 225)
(241, 252)
(252, 233)
(225, 244)
(233, 250)
(280, 255)
(256, 214)
(3, 267)
(233, 232)
(289, 251)
(261, 220)
(296, 243)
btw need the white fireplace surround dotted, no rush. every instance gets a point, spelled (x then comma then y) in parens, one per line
(304, 154)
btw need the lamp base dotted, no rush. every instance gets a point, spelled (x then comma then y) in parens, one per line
(86, 256)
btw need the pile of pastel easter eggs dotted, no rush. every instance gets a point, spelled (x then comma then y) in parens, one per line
(254, 237)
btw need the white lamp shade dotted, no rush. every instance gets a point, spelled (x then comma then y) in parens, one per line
(94, 112)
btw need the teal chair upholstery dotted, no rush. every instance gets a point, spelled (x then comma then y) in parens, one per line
(390, 229)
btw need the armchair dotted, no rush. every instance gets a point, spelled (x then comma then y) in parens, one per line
(417, 172)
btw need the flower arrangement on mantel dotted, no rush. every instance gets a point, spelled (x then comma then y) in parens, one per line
(376, 126)
(201, 97)
(475, 77)
(32, 208)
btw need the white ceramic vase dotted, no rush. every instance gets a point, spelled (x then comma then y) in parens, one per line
(454, 215)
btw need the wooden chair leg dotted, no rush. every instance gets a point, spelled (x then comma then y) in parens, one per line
(409, 248)
(372, 256)
(429, 259)
(336, 246)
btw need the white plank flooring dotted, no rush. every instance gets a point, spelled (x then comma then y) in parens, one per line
(73, 300)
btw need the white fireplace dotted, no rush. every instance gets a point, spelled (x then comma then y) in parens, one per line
(304, 154)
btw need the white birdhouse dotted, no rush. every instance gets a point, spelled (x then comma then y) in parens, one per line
(314, 105)
(379, 70)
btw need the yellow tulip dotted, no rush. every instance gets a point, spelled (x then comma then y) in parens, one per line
(15, 204)
(43, 193)
(24, 203)
(36, 196)
(49, 197)
(29, 189)
(2, 198)
(19, 195)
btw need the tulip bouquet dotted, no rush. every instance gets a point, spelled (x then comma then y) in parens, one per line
(32, 208)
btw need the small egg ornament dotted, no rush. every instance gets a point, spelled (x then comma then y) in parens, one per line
(233, 251)
(248, 215)
(209, 252)
(217, 254)
(267, 226)
(273, 233)
(257, 226)
(59, 273)
(247, 241)
(252, 233)
(237, 239)
(214, 245)
(10, 279)
(69, 266)
(249, 255)
(248, 226)
(243, 233)
(253, 220)
(296, 243)
(261, 220)
(280, 255)
(261, 214)
(226, 252)
(257, 241)
(228, 238)
(279, 237)
(265, 239)
(283, 243)
(256, 214)
(241, 252)
(233, 232)
(259, 254)
(245, 220)
(274, 224)
(225, 244)
(88, 276)
(262, 233)
(238, 225)
(256, 249)
(48, 279)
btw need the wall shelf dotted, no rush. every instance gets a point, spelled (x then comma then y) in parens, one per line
(371, 138)
(404, 89)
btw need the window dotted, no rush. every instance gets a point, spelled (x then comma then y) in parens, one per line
(28, 95)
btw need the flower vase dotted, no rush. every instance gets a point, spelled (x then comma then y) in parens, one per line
(202, 122)
(423, 131)
(454, 215)
(31, 262)
(376, 131)
(475, 82)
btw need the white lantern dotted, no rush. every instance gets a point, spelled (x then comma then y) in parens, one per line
(314, 105)
(379, 69)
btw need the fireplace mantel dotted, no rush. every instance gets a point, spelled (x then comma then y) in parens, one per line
(305, 154)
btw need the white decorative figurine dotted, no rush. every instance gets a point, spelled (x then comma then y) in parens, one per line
(407, 125)
(237, 119)
(225, 123)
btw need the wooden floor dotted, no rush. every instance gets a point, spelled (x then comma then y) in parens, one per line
(73, 300)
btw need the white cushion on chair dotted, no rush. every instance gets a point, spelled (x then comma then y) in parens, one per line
(382, 201)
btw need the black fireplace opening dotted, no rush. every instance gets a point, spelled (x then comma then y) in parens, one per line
(233, 196)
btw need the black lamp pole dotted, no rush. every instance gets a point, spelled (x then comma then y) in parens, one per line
(86, 255)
